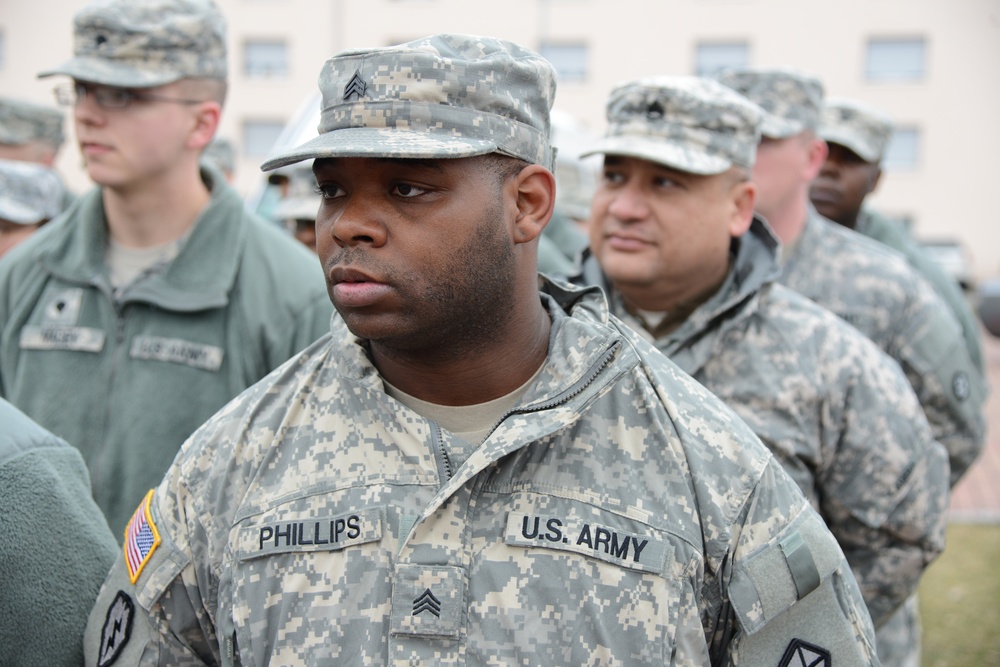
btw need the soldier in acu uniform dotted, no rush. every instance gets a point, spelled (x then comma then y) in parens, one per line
(133, 317)
(469, 469)
(685, 263)
(857, 136)
(865, 283)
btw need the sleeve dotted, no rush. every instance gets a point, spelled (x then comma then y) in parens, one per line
(155, 606)
(55, 549)
(932, 352)
(884, 486)
(789, 597)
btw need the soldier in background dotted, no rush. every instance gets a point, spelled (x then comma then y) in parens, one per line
(296, 211)
(33, 133)
(132, 318)
(857, 136)
(687, 265)
(865, 283)
(30, 196)
(469, 470)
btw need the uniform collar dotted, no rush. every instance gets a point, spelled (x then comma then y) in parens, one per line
(200, 277)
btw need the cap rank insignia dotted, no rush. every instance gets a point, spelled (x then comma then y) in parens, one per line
(141, 538)
(356, 86)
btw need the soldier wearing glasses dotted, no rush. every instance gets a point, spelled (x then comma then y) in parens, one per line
(151, 302)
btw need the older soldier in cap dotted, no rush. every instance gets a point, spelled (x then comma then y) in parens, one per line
(156, 298)
(469, 469)
(866, 283)
(29, 197)
(685, 263)
(857, 135)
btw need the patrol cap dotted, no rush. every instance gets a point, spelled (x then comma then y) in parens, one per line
(442, 96)
(857, 126)
(302, 201)
(791, 99)
(29, 192)
(688, 123)
(146, 43)
(22, 122)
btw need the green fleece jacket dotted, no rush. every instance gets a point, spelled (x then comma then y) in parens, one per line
(127, 378)
(55, 546)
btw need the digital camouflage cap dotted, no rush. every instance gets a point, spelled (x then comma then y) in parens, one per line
(688, 123)
(791, 99)
(146, 43)
(857, 126)
(22, 122)
(29, 193)
(302, 201)
(443, 96)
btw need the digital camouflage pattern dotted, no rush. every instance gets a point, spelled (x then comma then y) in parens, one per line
(791, 99)
(858, 126)
(874, 289)
(29, 193)
(444, 96)
(146, 43)
(23, 122)
(620, 514)
(835, 411)
(876, 226)
(688, 123)
(303, 199)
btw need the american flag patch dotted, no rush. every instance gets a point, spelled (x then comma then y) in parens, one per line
(141, 538)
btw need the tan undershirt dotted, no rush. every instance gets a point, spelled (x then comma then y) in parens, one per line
(471, 423)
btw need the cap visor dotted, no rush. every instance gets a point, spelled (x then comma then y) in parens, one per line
(850, 141)
(109, 73)
(381, 142)
(661, 152)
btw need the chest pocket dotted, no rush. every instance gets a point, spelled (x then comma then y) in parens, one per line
(575, 583)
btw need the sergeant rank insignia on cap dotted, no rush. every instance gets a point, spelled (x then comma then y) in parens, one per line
(356, 86)
(141, 538)
(804, 654)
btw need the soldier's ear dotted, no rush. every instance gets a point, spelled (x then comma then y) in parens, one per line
(534, 190)
(744, 197)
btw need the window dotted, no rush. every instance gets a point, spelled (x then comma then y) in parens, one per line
(903, 151)
(570, 60)
(264, 60)
(895, 60)
(259, 136)
(710, 58)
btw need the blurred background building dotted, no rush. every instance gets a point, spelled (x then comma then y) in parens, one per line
(933, 66)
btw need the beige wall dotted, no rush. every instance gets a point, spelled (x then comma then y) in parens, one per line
(956, 106)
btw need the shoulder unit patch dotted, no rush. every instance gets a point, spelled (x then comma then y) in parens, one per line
(141, 538)
(117, 629)
(803, 654)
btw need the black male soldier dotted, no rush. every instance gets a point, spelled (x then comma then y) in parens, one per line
(857, 135)
(469, 470)
(676, 246)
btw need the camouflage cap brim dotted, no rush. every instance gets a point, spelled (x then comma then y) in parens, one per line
(776, 127)
(297, 208)
(669, 155)
(107, 72)
(29, 193)
(845, 137)
(382, 142)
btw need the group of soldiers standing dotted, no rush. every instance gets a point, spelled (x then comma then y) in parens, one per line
(724, 432)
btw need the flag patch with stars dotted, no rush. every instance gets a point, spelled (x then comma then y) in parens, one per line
(141, 538)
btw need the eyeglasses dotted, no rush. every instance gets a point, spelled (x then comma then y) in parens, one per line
(70, 94)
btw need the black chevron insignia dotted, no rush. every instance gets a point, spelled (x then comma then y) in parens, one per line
(427, 602)
(356, 86)
(804, 654)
